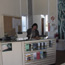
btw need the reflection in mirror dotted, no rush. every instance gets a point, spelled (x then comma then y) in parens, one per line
(12, 25)
(40, 15)
(38, 8)
(42, 21)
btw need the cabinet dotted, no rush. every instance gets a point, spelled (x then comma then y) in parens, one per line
(39, 52)
(13, 56)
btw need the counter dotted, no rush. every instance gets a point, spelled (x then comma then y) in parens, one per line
(35, 52)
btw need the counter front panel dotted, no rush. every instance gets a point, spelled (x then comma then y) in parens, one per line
(36, 52)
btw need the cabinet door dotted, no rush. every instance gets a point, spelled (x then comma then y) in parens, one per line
(14, 55)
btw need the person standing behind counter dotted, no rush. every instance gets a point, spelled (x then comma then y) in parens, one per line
(33, 33)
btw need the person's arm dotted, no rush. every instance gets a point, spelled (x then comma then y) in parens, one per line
(28, 33)
(37, 33)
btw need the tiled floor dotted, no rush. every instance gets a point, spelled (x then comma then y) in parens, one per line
(60, 57)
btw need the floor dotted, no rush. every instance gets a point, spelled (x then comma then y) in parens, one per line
(60, 57)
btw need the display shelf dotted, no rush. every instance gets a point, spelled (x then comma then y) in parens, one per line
(35, 51)
(49, 50)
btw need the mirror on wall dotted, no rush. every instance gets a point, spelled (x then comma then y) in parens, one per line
(18, 19)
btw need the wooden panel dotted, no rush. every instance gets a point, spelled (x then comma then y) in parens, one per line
(7, 24)
(42, 26)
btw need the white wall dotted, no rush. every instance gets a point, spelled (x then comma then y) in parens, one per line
(24, 7)
(18, 7)
(37, 19)
(10, 7)
(0, 55)
(52, 8)
(40, 7)
(13, 7)
(1, 27)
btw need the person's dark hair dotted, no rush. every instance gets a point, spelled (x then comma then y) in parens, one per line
(35, 24)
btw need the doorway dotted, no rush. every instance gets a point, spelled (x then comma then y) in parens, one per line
(42, 26)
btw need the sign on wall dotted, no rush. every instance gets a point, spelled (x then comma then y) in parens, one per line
(7, 47)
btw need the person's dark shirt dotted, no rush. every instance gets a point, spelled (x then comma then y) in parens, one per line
(29, 31)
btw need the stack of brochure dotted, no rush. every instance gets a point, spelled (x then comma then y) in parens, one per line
(36, 56)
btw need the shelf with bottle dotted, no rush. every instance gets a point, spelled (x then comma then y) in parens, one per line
(35, 46)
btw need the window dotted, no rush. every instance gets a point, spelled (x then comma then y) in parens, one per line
(24, 24)
(46, 23)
